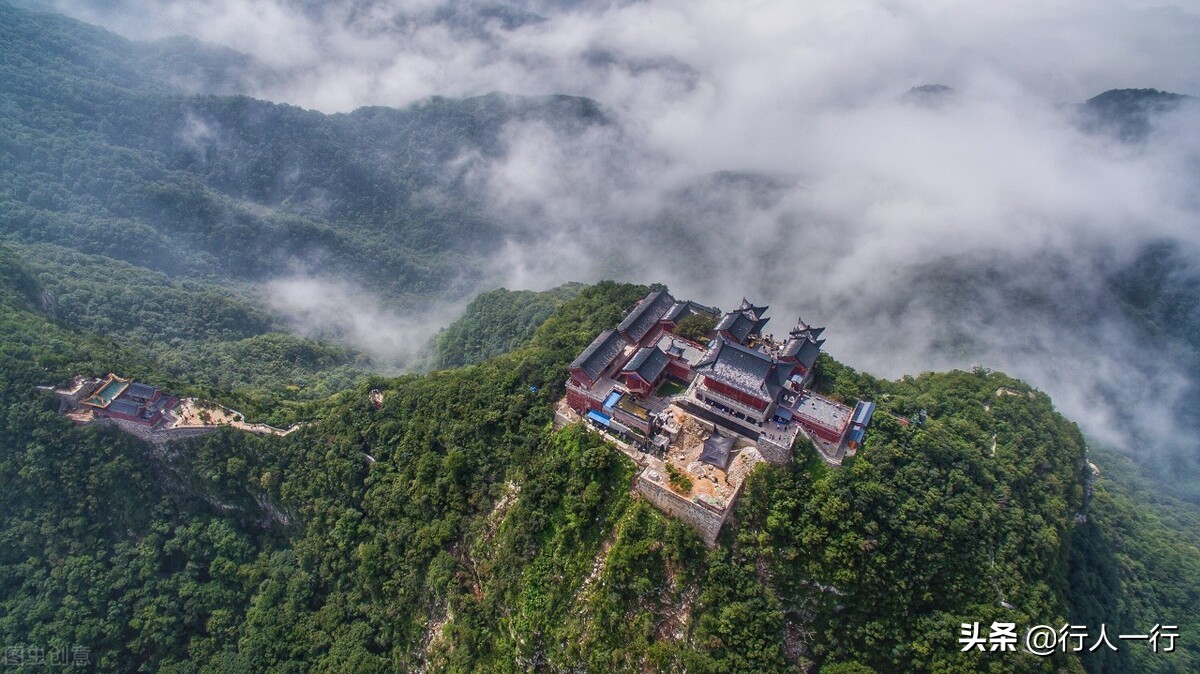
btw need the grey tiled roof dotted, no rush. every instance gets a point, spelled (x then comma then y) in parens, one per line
(804, 350)
(681, 310)
(739, 324)
(824, 411)
(649, 362)
(600, 353)
(744, 369)
(124, 407)
(803, 330)
(646, 314)
(161, 404)
(757, 311)
(139, 390)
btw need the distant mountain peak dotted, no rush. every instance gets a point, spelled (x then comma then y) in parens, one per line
(1127, 113)
(928, 95)
(1136, 97)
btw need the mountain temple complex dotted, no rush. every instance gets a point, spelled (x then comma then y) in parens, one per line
(698, 414)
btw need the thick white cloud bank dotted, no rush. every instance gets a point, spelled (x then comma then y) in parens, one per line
(868, 188)
(686, 66)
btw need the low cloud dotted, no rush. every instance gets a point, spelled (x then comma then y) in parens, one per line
(341, 311)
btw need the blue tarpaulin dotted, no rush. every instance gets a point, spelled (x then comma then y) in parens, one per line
(863, 413)
(598, 418)
(612, 400)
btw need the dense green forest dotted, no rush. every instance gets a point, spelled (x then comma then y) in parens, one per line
(1135, 563)
(452, 528)
(495, 323)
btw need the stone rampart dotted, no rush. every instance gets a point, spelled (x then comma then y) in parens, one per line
(705, 520)
(774, 453)
(157, 436)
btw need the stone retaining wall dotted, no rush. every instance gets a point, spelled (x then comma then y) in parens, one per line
(707, 522)
(156, 436)
(773, 453)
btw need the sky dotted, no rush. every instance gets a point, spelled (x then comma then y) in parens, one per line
(849, 201)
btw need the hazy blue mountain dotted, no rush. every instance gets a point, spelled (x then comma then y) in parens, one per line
(929, 95)
(1129, 114)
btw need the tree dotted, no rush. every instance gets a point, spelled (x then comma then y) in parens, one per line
(696, 327)
(847, 668)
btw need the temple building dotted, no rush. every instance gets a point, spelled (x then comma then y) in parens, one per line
(645, 316)
(684, 309)
(598, 359)
(802, 349)
(823, 418)
(742, 382)
(738, 326)
(644, 370)
(125, 399)
(682, 354)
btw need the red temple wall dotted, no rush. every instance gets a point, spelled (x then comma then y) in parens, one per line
(635, 384)
(580, 377)
(819, 430)
(745, 399)
(578, 401)
(679, 369)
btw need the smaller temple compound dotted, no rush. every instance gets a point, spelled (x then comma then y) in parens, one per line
(147, 411)
(698, 415)
(125, 400)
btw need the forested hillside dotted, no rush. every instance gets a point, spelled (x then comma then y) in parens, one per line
(1136, 563)
(495, 323)
(451, 528)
